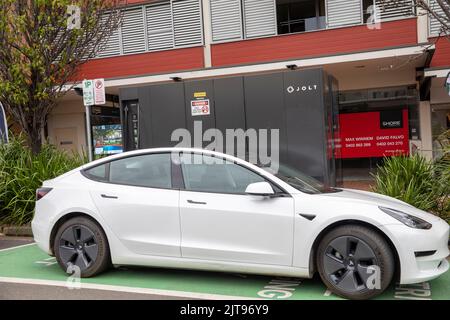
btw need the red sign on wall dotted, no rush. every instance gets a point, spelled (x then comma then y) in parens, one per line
(373, 134)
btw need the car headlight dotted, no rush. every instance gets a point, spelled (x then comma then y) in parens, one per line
(407, 219)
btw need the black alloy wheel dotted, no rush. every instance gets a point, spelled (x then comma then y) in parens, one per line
(81, 245)
(347, 261)
(78, 246)
(355, 262)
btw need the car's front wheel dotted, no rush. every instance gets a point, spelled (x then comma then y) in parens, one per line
(355, 262)
(81, 247)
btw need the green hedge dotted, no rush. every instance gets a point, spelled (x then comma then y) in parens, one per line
(21, 174)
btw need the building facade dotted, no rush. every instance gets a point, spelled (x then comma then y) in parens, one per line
(390, 63)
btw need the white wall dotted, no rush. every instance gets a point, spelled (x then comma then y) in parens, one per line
(68, 114)
(425, 128)
(351, 78)
(438, 92)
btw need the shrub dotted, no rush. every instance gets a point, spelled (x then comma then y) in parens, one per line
(21, 174)
(441, 185)
(417, 181)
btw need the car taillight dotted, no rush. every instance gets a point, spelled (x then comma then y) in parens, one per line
(42, 192)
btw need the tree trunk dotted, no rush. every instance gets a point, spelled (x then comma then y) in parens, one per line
(35, 141)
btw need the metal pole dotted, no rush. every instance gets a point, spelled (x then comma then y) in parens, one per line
(4, 125)
(89, 133)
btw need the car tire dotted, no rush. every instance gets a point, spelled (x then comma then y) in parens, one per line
(81, 247)
(345, 259)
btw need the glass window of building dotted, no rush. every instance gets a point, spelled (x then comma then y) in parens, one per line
(300, 15)
(440, 124)
(375, 123)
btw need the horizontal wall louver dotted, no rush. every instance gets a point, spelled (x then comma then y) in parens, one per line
(395, 9)
(260, 18)
(187, 22)
(111, 46)
(343, 12)
(159, 27)
(133, 34)
(226, 20)
(434, 24)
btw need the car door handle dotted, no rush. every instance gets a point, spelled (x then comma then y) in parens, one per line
(109, 197)
(195, 202)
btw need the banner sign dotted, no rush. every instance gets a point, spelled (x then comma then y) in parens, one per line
(3, 126)
(373, 134)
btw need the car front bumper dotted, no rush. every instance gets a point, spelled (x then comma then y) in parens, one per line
(408, 241)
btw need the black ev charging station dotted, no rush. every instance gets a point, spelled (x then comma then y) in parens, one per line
(302, 104)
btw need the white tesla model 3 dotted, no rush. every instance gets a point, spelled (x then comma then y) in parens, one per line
(197, 209)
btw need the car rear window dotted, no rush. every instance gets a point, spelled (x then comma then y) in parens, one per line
(97, 173)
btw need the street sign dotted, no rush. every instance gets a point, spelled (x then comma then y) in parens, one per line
(94, 92)
(99, 91)
(88, 92)
(3, 126)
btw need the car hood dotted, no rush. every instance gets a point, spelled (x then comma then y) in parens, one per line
(381, 201)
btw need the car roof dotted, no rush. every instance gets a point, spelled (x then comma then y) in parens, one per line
(164, 150)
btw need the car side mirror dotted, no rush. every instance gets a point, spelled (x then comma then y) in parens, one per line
(260, 189)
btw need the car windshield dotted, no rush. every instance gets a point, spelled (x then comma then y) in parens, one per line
(299, 180)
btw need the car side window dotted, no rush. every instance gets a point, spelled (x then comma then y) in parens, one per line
(151, 170)
(98, 173)
(208, 174)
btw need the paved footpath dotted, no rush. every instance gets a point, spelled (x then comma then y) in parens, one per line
(28, 273)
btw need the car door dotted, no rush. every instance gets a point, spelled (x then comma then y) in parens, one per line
(138, 203)
(220, 222)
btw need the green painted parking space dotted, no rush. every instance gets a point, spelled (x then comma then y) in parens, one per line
(29, 263)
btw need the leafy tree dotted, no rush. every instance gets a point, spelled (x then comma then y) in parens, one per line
(42, 45)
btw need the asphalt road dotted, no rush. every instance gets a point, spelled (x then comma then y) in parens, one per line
(8, 242)
(15, 291)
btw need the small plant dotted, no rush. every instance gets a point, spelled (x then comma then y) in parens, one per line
(417, 181)
(21, 173)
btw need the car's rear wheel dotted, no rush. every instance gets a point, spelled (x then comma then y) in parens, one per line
(355, 262)
(81, 247)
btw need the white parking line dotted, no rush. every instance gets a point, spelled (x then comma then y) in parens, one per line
(169, 293)
(48, 262)
(16, 247)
